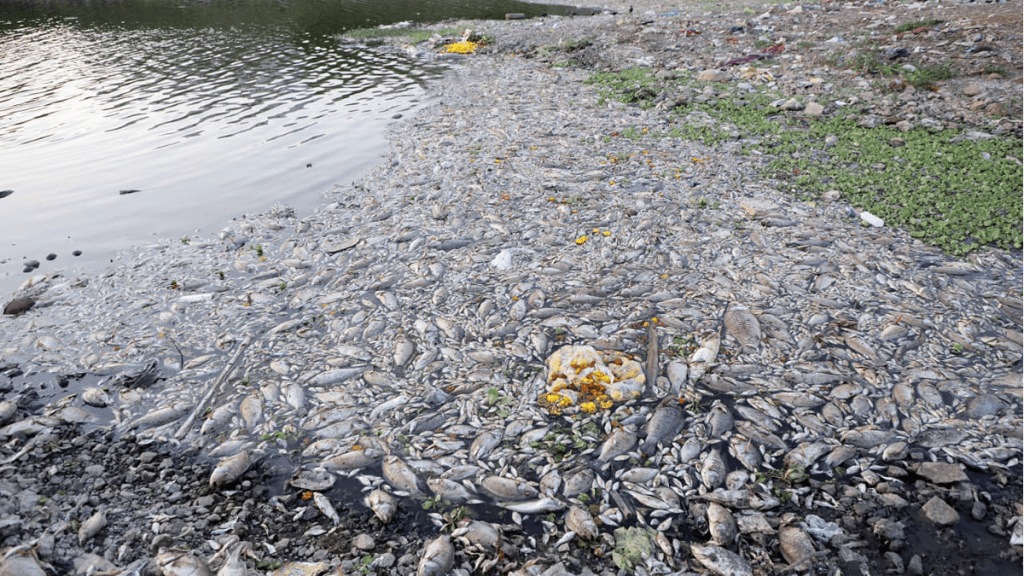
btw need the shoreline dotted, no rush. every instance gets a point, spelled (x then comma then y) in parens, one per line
(398, 338)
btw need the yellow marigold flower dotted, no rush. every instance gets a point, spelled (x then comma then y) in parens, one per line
(606, 404)
(307, 495)
(588, 407)
(606, 233)
(596, 230)
(464, 47)
(553, 398)
(564, 402)
(601, 376)
(581, 240)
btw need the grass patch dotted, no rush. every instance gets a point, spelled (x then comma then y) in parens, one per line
(927, 76)
(945, 189)
(908, 26)
(631, 85)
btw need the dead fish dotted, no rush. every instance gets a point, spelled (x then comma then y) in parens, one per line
(806, 454)
(703, 357)
(20, 561)
(438, 557)
(383, 505)
(746, 453)
(712, 470)
(317, 480)
(484, 444)
(663, 426)
(620, 441)
(449, 490)
(403, 353)
(581, 522)
(720, 561)
(721, 525)
(160, 417)
(742, 325)
(795, 544)
(576, 482)
(295, 395)
(332, 377)
(234, 565)
(481, 534)
(352, 460)
(181, 563)
(230, 469)
(251, 410)
(501, 488)
(401, 476)
(96, 397)
(7, 410)
(92, 526)
(540, 506)
(323, 504)
(720, 421)
(219, 418)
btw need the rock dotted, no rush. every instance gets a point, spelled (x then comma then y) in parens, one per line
(814, 109)
(6, 193)
(757, 206)
(712, 76)
(914, 566)
(895, 562)
(941, 472)
(904, 126)
(792, 104)
(972, 89)
(939, 512)
(51, 256)
(364, 542)
(978, 511)
(18, 306)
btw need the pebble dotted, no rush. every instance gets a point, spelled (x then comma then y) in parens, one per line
(939, 512)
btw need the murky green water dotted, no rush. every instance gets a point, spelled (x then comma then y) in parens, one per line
(208, 109)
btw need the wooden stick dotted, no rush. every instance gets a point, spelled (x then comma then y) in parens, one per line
(217, 384)
(651, 371)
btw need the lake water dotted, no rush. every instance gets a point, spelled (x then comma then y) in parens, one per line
(123, 121)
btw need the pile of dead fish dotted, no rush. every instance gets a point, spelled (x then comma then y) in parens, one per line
(397, 337)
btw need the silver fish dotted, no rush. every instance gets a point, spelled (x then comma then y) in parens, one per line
(318, 480)
(449, 490)
(581, 522)
(181, 563)
(712, 470)
(401, 476)
(323, 504)
(539, 506)
(621, 440)
(795, 544)
(383, 505)
(92, 526)
(438, 557)
(720, 561)
(230, 469)
(352, 460)
(251, 410)
(484, 444)
(96, 397)
(721, 525)
(746, 453)
(502, 488)
(742, 325)
(219, 418)
(663, 425)
(7, 410)
(720, 421)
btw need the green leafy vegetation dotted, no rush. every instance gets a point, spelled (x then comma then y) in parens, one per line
(908, 26)
(952, 191)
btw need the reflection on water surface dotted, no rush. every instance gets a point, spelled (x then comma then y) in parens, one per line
(209, 109)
